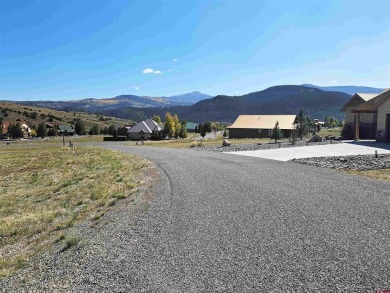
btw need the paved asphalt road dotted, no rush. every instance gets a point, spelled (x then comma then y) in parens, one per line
(243, 224)
(225, 223)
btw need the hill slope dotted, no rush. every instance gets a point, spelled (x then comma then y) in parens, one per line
(122, 101)
(288, 99)
(349, 89)
(11, 112)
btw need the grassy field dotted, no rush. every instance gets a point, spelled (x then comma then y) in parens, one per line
(45, 189)
(193, 140)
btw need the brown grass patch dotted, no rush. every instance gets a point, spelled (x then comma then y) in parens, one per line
(45, 189)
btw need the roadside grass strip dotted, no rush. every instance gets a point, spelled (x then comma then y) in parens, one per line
(44, 190)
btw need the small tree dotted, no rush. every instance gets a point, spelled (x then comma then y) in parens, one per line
(276, 132)
(196, 129)
(111, 129)
(53, 131)
(156, 118)
(183, 130)
(41, 130)
(15, 130)
(94, 130)
(79, 127)
(169, 125)
(203, 132)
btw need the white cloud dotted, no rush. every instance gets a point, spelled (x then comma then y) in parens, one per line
(333, 81)
(150, 70)
(136, 87)
(175, 60)
(170, 70)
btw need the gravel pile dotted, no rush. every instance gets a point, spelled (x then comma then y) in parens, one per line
(255, 147)
(361, 162)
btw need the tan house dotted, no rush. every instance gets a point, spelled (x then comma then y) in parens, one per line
(379, 108)
(367, 121)
(260, 126)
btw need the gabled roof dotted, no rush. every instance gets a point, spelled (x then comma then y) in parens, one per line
(153, 125)
(358, 99)
(264, 121)
(140, 127)
(66, 128)
(372, 105)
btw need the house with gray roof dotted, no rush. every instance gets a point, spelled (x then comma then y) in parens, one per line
(147, 129)
(65, 130)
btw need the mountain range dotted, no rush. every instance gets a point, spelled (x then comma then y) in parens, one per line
(286, 99)
(315, 101)
(118, 102)
(348, 89)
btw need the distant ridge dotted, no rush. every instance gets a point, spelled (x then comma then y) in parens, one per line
(285, 99)
(348, 89)
(118, 102)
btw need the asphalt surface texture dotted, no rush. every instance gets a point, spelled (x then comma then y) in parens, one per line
(225, 223)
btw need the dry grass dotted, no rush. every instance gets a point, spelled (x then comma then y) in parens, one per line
(191, 142)
(46, 189)
(64, 117)
(331, 131)
(381, 174)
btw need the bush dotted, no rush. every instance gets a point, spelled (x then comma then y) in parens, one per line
(71, 241)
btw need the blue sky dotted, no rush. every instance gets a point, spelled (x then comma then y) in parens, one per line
(61, 50)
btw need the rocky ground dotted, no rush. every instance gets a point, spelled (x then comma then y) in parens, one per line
(361, 162)
(254, 147)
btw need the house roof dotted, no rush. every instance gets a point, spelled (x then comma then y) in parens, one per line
(68, 128)
(153, 125)
(264, 121)
(372, 105)
(358, 99)
(148, 126)
(191, 125)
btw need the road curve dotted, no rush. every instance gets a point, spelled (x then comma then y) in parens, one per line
(224, 223)
(247, 224)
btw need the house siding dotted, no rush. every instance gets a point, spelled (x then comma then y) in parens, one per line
(254, 133)
(382, 133)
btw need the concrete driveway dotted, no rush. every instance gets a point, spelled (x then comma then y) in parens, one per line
(347, 148)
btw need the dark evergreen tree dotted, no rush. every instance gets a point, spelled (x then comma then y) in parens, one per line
(79, 127)
(41, 130)
(276, 132)
(15, 130)
(111, 129)
(52, 131)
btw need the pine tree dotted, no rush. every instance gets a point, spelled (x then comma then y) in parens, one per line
(79, 127)
(276, 132)
(41, 130)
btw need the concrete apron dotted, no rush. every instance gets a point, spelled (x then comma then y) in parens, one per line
(329, 150)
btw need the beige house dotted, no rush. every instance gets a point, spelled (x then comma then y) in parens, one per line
(260, 126)
(367, 121)
(356, 100)
(379, 108)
